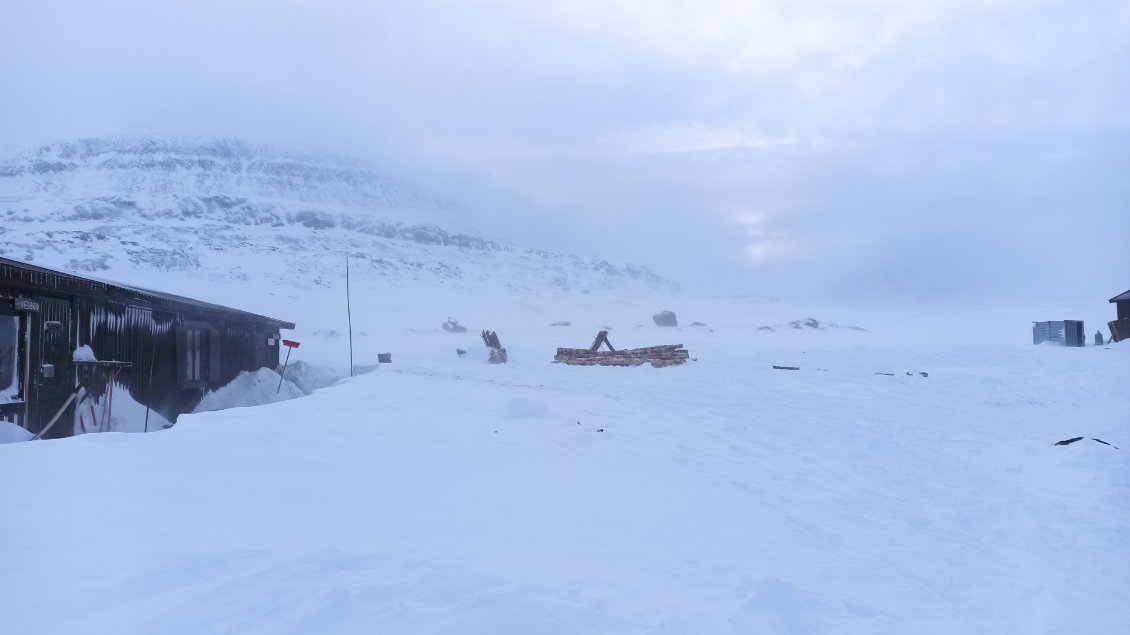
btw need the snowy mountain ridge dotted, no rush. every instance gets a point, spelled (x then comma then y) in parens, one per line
(203, 207)
(90, 167)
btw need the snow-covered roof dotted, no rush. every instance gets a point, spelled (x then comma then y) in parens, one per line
(1122, 297)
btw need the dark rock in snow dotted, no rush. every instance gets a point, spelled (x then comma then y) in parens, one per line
(565, 323)
(1068, 441)
(452, 326)
(665, 318)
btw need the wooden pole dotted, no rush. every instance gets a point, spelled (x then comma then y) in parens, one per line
(349, 315)
(57, 414)
(283, 373)
(152, 363)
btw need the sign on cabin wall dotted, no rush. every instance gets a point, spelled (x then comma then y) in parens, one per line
(24, 304)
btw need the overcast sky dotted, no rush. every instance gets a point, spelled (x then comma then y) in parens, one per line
(960, 149)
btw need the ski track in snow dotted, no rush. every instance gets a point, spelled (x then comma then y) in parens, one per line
(444, 495)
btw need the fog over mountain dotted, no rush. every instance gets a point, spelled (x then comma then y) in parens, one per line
(224, 208)
(865, 149)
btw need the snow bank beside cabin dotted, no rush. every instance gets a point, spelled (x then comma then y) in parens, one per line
(249, 388)
(310, 377)
(12, 433)
(130, 415)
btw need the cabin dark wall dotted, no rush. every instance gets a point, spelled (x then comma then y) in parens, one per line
(175, 356)
(141, 336)
(52, 373)
(177, 347)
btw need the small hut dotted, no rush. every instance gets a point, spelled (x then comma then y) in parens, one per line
(1062, 332)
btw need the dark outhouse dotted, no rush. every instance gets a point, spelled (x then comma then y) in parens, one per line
(1062, 332)
(63, 336)
(1120, 328)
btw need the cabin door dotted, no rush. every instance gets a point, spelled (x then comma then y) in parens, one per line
(13, 362)
(52, 375)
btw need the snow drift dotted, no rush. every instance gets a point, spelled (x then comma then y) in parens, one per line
(250, 388)
(444, 496)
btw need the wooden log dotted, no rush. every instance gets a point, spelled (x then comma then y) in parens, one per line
(601, 338)
(490, 339)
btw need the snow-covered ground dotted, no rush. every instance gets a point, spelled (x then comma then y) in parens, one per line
(903, 480)
(440, 494)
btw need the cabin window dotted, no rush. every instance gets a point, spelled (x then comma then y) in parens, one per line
(9, 358)
(196, 349)
(197, 355)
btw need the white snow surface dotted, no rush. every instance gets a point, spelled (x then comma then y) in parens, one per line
(12, 433)
(250, 388)
(441, 494)
(125, 414)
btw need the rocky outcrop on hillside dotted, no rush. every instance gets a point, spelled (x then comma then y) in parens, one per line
(172, 205)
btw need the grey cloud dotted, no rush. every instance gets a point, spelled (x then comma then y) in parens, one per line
(911, 148)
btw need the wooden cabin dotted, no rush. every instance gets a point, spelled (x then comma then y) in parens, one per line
(1120, 328)
(164, 350)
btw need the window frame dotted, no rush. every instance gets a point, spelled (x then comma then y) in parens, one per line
(194, 354)
(20, 361)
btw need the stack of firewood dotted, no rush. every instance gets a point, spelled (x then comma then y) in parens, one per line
(657, 356)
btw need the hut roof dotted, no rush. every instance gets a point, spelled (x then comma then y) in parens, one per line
(33, 276)
(1122, 297)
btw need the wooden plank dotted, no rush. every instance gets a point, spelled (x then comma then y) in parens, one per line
(601, 338)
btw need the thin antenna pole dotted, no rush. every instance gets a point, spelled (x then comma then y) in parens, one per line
(349, 315)
(149, 397)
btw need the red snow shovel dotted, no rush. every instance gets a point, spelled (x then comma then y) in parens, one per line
(290, 346)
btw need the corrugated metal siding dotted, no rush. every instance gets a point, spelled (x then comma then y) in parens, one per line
(147, 329)
(52, 347)
(1063, 332)
(142, 336)
(155, 342)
